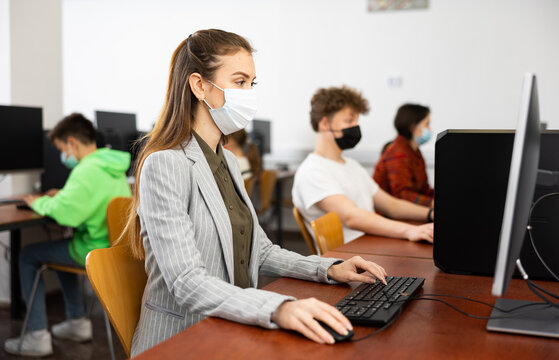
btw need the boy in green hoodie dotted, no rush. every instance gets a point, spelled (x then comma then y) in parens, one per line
(97, 176)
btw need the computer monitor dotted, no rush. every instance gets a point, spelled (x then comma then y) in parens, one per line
(21, 146)
(55, 173)
(118, 129)
(260, 135)
(537, 319)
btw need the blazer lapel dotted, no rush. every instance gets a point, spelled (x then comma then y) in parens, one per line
(210, 192)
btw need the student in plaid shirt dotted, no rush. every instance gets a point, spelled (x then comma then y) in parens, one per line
(400, 170)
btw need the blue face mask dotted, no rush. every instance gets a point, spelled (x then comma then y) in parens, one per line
(69, 161)
(425, 136)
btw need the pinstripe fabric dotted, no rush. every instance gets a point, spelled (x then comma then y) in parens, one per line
(187, 238)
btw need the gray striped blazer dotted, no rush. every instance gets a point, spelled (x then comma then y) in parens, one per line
(187, 238)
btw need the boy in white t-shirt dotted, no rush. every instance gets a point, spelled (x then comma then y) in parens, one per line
(328, 182)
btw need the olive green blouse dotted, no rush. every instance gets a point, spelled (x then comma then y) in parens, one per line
(239, 214)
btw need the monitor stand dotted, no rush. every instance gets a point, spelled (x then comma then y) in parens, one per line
(537, 320)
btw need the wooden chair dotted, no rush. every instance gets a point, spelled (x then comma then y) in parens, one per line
(117, 209)
(119, 280)
(117, 215)
(328, 232)
(306, 235)
(267, 187)
(249, 185)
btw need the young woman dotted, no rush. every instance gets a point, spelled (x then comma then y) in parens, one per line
(400, 170)
(326, 181)
(192, 220)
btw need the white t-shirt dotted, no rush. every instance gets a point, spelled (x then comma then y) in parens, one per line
(318, 177)
(244, 166)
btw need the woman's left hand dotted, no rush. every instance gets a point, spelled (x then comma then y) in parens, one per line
(357, 269)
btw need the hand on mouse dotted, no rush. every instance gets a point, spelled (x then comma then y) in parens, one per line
(354, 269)
(300, 315)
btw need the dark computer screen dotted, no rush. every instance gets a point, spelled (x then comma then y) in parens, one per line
(118, 129)
(55, 173)
(260, 135)
(21, 146)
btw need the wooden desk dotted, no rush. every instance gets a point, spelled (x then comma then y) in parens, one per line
(12, 219)
(376, 245)
(425, 330)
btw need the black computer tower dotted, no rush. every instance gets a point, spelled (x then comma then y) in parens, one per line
(471, 177)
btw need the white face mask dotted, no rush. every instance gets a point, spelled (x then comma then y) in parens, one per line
(237, 112)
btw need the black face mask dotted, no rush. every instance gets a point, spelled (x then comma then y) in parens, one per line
(350, 137)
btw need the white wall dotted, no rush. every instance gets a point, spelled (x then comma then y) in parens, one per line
(465, 59)
(36, 56)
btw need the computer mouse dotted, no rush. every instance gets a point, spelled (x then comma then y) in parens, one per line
(337, 336)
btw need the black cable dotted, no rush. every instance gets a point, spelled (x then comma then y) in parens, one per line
(486, 317)
(480, 302)
(538, 294)
(532, 239)
(543, 290)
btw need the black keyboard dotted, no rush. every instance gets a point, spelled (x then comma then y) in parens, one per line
(376, 304)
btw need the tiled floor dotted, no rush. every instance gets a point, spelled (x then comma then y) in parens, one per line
(98, 348)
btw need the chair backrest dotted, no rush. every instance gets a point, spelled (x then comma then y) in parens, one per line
(117, 215)
(119, 280)
(249, 185)
(328, 232)
(306, 235)
(267, 187)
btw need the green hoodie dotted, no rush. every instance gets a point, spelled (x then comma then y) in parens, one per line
(82, 202)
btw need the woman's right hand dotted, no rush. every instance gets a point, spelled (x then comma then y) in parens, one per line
(302, 316)
(420, 232)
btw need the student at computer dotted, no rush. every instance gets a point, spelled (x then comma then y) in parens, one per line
(250, 162)
(97, 176)
(400, 170)
(195, 225)
(326, 181)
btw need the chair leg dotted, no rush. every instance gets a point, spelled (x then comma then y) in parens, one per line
(30, 305)
(109, 335)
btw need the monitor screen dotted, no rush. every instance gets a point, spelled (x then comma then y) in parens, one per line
(260, 135)
(521, 186)
(117, 129)
(21, 148)
(55, 174)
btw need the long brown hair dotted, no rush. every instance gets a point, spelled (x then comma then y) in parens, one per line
(197, 54)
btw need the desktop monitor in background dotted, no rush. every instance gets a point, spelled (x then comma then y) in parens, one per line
(260, 135)
(118, 129)
(21, 146)
(55, 173)
(538, 319)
